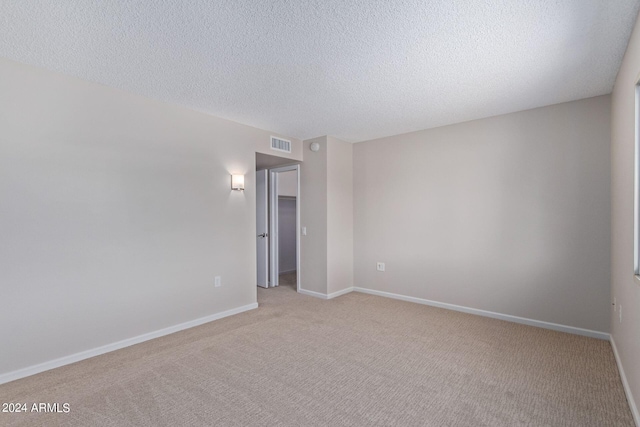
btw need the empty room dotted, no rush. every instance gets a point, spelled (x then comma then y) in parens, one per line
(320, 213)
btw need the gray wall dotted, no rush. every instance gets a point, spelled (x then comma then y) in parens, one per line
(313, 213)
(327, 212)
(286, 235)
(116, 213)
(509, 214)
(623, 287)
(339, 215)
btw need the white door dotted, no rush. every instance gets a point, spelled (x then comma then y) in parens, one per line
(262, 227)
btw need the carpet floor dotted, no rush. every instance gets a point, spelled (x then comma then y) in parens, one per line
(357, 360)
(288, 279)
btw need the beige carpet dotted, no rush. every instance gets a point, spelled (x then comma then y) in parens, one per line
(288, 279)
(357, 360)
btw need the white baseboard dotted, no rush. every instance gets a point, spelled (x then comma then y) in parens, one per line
(326, 296)
(313, 294)
(500, 316)
(625, 384)
(341, 292)
(66, 360)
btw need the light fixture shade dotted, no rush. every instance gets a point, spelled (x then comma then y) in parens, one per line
(237, 182)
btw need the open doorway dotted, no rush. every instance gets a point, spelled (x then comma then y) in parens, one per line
(284, 224)
(277, 222)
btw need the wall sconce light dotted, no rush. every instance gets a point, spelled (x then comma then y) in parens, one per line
(237, 182)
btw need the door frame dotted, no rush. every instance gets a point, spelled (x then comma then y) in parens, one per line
(273, 224)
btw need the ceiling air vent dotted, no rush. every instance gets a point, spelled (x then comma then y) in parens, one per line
(280, 144)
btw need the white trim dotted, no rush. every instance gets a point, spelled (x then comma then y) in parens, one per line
(273, 172)
(339, 293)
(274, 259)
(500, 316)
(326, 296)
(298, 259)
(625, 384)
(636, 181)
(66, 360)
(313, 294)
(288, 168)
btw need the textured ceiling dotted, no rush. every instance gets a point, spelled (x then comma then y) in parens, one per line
(355, 69)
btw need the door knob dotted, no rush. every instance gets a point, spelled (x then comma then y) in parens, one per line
(263, 235)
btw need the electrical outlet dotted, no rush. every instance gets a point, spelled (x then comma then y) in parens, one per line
(304, 231)
(380, 266)
(217, 282)
(620, 312)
